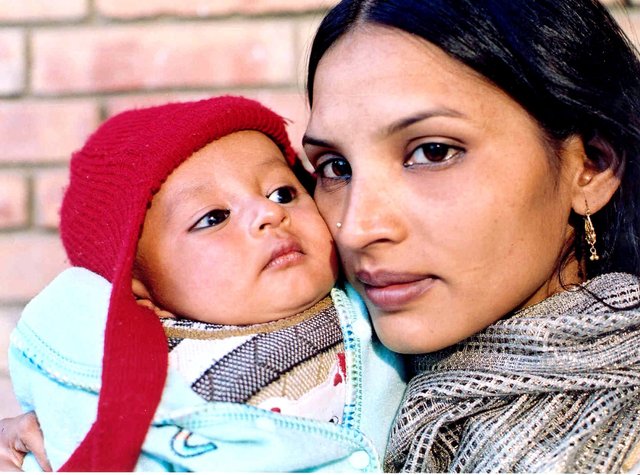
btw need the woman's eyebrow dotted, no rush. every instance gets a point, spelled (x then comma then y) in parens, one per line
(395, 126)
(405, 122)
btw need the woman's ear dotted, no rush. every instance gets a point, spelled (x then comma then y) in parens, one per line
(595, 173)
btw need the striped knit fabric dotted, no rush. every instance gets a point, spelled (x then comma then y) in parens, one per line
(258, 364)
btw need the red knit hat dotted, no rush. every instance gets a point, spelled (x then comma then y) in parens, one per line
(113, 180)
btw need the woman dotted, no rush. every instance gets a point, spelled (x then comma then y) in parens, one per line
(461, 149)
(478, 162)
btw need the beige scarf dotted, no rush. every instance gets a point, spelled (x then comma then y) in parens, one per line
(553, 388)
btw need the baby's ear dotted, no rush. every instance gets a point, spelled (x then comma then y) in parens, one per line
(143, 298)
(139, 289)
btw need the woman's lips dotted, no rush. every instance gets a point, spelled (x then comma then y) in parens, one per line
(391, 291)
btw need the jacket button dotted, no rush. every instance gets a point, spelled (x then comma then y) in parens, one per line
(359, 459)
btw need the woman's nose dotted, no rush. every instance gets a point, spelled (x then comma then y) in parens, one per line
(371, 215)
(267, 215)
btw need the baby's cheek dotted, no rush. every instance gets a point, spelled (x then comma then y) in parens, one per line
(307, 223)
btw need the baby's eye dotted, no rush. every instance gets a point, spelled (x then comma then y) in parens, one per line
(212, 218)
(283, 195)
(433, 153)
(334, 169)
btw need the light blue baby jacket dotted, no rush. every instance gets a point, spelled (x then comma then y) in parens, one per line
(55, 359)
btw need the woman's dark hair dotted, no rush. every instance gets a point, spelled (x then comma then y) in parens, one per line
(566, 62)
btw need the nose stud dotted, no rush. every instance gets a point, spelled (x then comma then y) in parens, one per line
(338, 225)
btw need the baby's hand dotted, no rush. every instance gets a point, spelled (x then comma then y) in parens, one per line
(146, 303)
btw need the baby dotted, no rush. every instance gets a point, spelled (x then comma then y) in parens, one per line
(188, 229)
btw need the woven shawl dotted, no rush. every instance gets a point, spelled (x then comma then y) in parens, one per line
(554, 387)
(230, 363)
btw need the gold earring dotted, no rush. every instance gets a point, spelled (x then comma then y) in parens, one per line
(590, 234)
(338, 225)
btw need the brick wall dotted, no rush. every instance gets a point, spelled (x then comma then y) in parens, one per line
(66, 65)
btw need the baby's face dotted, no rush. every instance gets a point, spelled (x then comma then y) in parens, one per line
(233, 238)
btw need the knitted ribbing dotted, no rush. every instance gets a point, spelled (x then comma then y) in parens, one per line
(112, 181)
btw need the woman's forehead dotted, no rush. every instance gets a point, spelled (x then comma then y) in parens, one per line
(391, 77)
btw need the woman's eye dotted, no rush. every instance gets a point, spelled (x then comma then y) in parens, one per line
(334, 169)
(433, 153)
(212, 218)
(283, 195)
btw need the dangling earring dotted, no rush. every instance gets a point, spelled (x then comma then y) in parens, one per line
(590, 234)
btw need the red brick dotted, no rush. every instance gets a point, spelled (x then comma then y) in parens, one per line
(8, 319)
(8, 404)
(116, 104)
(49, 189)
(29, 262)
(305, 32)
(12, 61)
(42, 10)
(163, 55)
(13, 200)
(259, 6)
(44, 131)
(203, 8)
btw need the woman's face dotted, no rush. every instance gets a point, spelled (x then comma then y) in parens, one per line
(453, 208)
